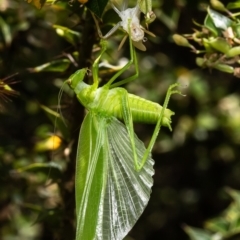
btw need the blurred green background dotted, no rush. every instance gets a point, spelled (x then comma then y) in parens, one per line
(193, 163)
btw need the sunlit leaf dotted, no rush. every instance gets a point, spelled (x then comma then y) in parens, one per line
(218, 5)
(5, 89)
(57, 121)
(46, 168)
(236, 29)
(197, 233)
(54, 66)
(208, 23)
(219, 20)
(228, 222)
(6, 31)
(48, 144)
(234, 194)
(217, 225)
(68, 34)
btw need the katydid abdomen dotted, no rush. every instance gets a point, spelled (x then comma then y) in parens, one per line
(145, 111)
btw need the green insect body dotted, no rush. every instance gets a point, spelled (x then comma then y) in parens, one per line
(113, 168)
(108, 102)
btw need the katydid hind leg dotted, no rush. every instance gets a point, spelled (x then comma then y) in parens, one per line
(127, 117)
(128, 120)
(171, 90)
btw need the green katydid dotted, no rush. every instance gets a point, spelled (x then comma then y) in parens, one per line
(113, 168)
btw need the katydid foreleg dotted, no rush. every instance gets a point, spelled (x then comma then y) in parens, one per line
(133, 60)
(171, 90)
(96, 63)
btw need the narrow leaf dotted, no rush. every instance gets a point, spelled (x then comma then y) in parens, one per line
(197, 233)
(54, 66)
(68, 34)
(233, 5)
(46, 168)
(49, 144)
(6, 31)
(56, 119)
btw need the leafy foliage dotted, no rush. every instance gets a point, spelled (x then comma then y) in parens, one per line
(192, 166)
(220, 38)
(222, 227)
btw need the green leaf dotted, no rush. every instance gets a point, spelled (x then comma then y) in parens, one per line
(54, 66)
(228, 223)
(6, 31)
(236, 29)
(69, 35)
(217, 5)
(145, 6)
(234, 194)
(208, 23)
(220, 44)
(219, 225)
(97, 6)
(219, 20)
(48, 144)
(46, 168)
(56, 119)
(197, 233)
(6, 91)
(233, 5)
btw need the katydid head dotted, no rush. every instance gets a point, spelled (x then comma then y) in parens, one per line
(77, 78)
